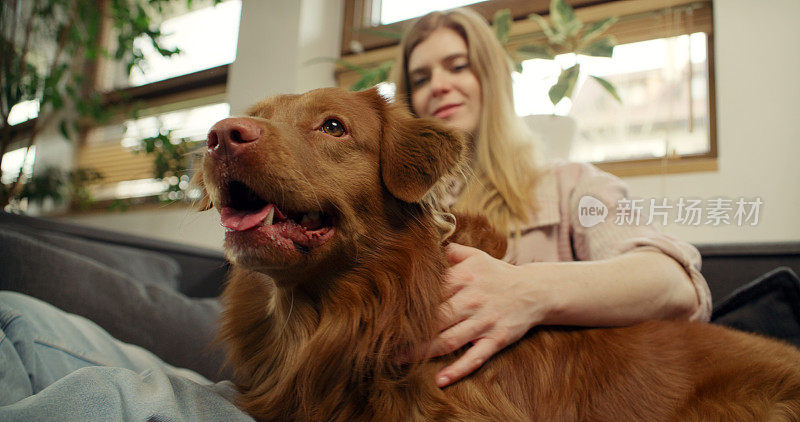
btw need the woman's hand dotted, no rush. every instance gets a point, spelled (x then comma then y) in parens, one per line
(491, 305)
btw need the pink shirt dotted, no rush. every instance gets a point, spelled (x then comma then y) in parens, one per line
(555, 232)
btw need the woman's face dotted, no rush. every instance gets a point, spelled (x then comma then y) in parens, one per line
(442, 83)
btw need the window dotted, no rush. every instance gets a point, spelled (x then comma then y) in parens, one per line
(664, 86)
(112, 150)
(184, 94)
(369, 14)
(207, 38)
(23, 111)
(664, 51)
(13, 161)
(391, 11)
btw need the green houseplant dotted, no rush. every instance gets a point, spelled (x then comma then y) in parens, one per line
(564, 34)
(46, 47)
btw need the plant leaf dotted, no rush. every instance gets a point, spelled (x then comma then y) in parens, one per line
(564, 18)
(373, 76)
(609, 87)
(565, 84)
(363, 71)
(595, 29)
(350, 66)
(557, 92)
(572, 79)
(551, 35)
(533, 51)
(502, 24)
(62, 128)
(392, 35)
(604, 47)
(344, 63)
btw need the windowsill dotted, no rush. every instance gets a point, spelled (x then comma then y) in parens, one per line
(660, 166)
(649, 167)
(145, 203)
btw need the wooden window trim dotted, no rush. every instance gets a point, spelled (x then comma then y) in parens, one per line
(358, 14)
(654, 166)
(379, 49)
(214, 76)
(172, 93)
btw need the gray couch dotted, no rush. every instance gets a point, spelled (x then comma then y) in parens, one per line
(156, 294)
(161, 295)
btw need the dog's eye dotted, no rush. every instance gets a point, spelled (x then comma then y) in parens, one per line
(333, 127)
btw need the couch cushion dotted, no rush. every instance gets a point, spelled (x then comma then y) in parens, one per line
(728, 266)
(769, 305)
(176, 328)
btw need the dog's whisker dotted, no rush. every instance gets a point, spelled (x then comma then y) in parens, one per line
(310, 186)
(282, 190)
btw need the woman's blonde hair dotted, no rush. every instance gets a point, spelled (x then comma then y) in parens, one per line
(505, 155)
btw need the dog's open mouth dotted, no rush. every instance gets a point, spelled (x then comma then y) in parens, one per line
(245, 211)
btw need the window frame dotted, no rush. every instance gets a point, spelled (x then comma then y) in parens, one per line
(173, 94)
(192, 89)
(358, 14)
(378, 49)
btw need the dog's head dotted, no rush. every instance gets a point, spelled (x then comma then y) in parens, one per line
(303, 178)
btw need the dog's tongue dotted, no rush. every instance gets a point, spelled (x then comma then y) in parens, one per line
(243, 220)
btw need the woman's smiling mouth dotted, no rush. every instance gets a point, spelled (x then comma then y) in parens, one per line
(446, 111)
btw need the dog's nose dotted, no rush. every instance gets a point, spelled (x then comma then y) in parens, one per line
(231, 136)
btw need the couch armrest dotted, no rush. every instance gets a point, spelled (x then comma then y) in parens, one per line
(728, 266)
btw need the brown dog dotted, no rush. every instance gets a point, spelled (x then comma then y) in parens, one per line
(338, 270)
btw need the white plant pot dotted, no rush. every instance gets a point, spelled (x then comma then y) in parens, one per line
(557, 133)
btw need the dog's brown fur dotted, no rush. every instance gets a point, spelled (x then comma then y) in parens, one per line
(318, 335)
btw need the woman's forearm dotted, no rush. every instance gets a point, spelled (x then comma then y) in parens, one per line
(623, 290)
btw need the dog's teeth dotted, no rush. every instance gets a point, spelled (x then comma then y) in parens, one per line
(310, 219)
(270, 216)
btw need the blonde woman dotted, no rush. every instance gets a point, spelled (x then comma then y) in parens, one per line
(557, 271)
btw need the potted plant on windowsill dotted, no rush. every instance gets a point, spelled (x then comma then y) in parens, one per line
(565, 33)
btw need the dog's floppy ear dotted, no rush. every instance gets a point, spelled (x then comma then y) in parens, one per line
(415, 153)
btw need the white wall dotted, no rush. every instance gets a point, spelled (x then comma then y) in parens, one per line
(757, 54)
(173, 223)
(276, 39)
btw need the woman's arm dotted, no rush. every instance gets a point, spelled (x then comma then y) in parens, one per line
(494, 303)
(624, 290)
